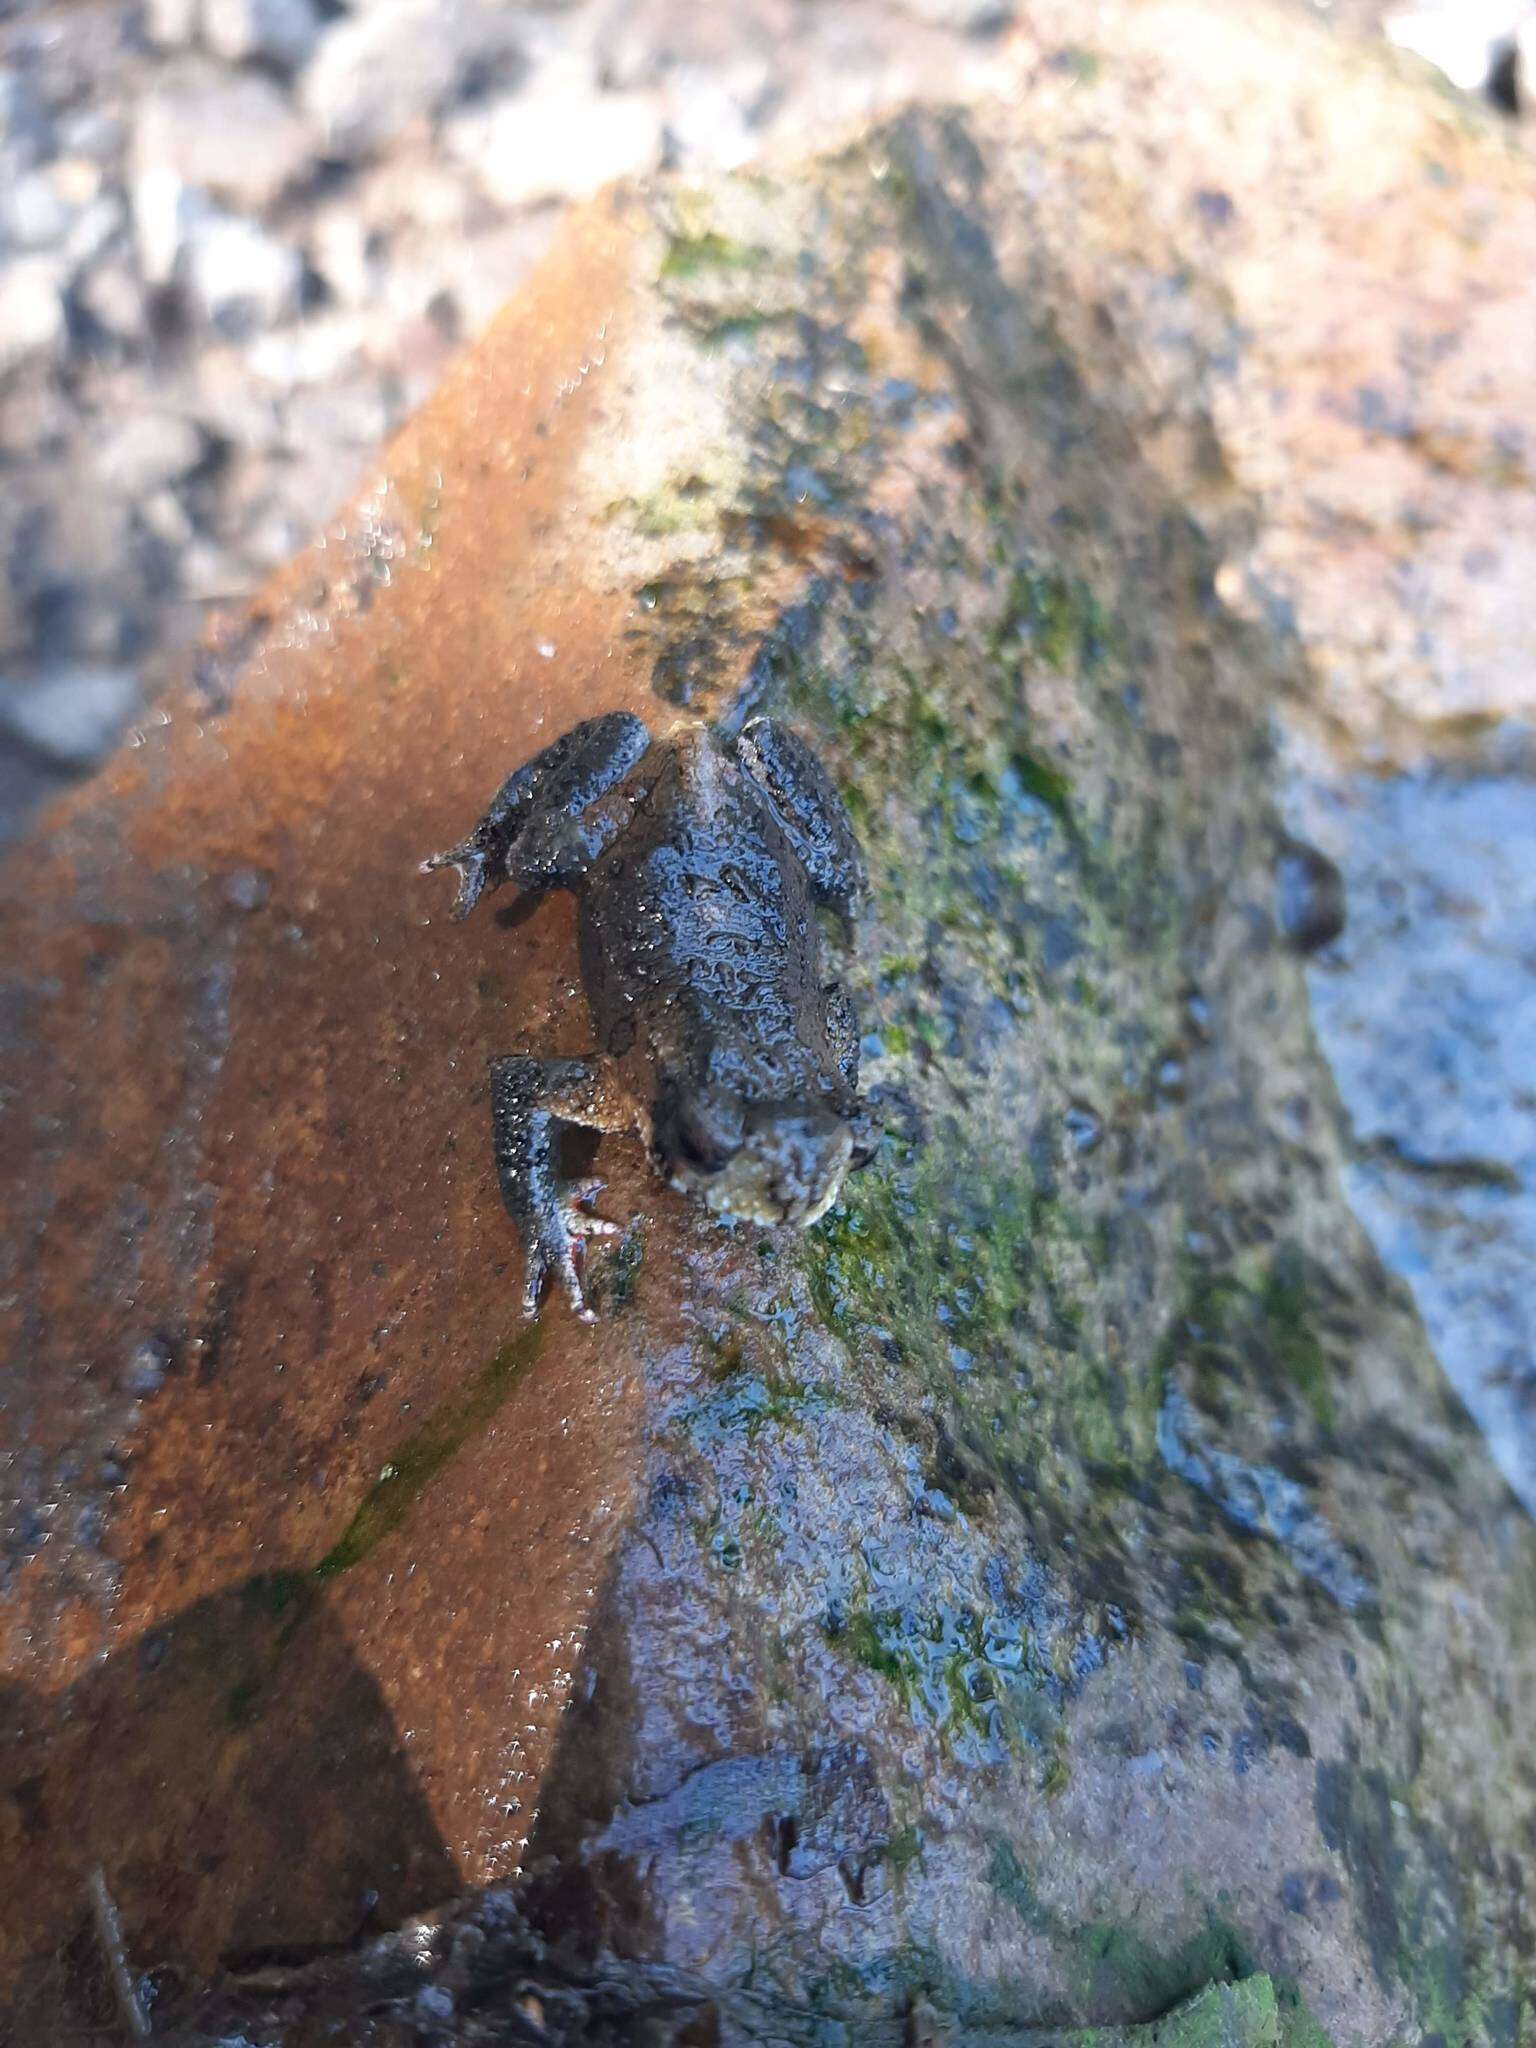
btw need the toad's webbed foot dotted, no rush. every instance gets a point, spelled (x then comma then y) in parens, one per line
(530, 1100)
(548, 822)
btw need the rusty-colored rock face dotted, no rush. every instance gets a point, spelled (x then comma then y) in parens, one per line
(1058, 1581)
(258, 1250)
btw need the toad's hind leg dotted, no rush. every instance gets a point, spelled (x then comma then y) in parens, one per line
(547, 823)
(809, 811)
(843, 1036)
(530, 1100)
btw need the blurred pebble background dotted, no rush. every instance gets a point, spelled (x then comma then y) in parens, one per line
(240, 238)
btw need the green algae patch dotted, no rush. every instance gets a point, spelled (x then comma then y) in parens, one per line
(1242, 2015)
(690, 255)
(1119, 1966)
(682, 504)
(1047, 785)
(1011, 1881)
(423, 1456)
(1259, 1312)
(1251, 2012)
(967, 1269)
(1055, 616)
(1414, 1909)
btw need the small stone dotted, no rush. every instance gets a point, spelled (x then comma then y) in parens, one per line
(76, 179)
(1084, 1130)
(32, 321)
(237, 138)
(280, 32)
(321, 350)
(970, 17)
(1309, 897)
(559, 144)
(149, 451)
(1168, 1082)
(95, 133)
(377, 74)
(112, 297)
(165, 213)
(164, 515)
(211, 574)
(341, 252)
(241, 278)
(713, 114)
(172, 24)
(73, 716)
(24, 125)
(93, 231)
(1214, 209)
(37, 216)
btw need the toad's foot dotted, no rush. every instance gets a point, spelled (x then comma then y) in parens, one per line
(474, 870)
(550, 821)
(551, 1247)
(530, 1100)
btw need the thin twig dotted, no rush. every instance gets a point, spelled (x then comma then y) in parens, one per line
(109, 1932)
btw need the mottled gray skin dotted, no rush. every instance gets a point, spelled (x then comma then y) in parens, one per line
(698, 865)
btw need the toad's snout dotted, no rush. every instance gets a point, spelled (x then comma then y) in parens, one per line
(767, 1163)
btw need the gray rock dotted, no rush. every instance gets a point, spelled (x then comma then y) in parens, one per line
(163, 516)
(32, 325)
(713, 114)
(340, 248)
(24, 126)
(149, 451)
(165, 212)
(111, 295)
(93, 230)
(71, 716)
(239, 276)
(36, 216)
(377, 74)
(172, 24)
(1426, 1012)
(94, 132)
(281, 32)
(237, 138)
(558, 141)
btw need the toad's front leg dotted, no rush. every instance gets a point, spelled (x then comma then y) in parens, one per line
(530, 1100)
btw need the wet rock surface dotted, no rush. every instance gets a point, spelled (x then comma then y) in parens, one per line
(1426, 1011)
(1062, 1585)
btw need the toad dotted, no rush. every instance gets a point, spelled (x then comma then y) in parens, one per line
(698, 863)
